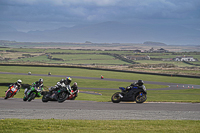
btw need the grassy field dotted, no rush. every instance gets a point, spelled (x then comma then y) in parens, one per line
(98, 126)
(97, 73)
(70, 59)
(89, 57)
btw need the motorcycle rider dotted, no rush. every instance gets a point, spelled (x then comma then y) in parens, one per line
(137, 84)
(67, 82)
(74, 87)
(38, 83)
(18, 84)
(61, 84)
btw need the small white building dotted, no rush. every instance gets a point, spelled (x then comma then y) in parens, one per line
(184, 58)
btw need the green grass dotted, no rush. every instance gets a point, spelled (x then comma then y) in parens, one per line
(185, 95)
(176, 63)
(97, 73)
(93, 57)
(83, 57)
(98, 126)
(71, 59)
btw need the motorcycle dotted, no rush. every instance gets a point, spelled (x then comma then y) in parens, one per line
(61, 95)
(137, 94)
(12, 90)
(73, 96)
(32, 93)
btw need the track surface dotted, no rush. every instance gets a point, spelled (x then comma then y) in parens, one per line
(90, 110)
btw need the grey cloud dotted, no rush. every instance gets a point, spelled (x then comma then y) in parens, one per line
(83, 11)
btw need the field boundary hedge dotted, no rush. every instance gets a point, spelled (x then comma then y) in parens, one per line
(93, 68)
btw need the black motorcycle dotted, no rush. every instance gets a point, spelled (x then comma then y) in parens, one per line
(60, 95)
(137, 93)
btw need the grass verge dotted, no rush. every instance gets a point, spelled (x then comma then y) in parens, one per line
(98, 126)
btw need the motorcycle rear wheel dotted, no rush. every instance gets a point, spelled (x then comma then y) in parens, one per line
(140, 99)
(116, 98)
(61, 97)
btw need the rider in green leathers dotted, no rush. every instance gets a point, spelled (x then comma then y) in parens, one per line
(38, 84)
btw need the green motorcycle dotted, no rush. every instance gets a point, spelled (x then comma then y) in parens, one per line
(34, 91)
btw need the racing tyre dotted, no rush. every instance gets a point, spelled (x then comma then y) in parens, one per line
(8, 95)
(45, 99)
(62, 96)
(116, 98)
(140, 98)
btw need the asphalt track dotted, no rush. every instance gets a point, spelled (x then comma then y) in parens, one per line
(90, 110)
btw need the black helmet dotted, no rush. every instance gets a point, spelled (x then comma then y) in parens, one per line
(68, 80)
(40, 80)
(140, 82)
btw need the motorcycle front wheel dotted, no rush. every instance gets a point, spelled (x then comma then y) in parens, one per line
(31, 96)
(24, 99)
(116, 98)
(140, 99)
(45, 99)
(8, 95)
(62, 96)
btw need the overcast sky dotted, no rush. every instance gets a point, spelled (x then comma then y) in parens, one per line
(25, 15)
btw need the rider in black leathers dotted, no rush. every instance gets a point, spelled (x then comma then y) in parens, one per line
(139, 83)
(75, 89)
(61, 84)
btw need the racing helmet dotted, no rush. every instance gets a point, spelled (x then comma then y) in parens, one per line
(19, 81)
(62, 81)
(140, 82)
(40, 80)
(75, 84)
(68, 80)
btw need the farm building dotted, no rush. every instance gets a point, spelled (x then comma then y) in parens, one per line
(184, 58)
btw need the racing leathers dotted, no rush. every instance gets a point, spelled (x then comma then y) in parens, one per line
(35, 84)
(59, 85)
(128, 88)
(16, 84)
(74, 87)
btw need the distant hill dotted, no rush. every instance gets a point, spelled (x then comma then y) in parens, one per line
(154, 43)
(108, 32)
